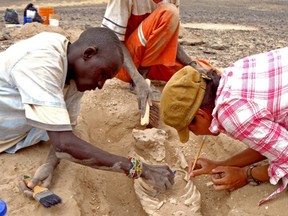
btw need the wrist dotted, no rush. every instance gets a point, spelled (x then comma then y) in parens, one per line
(250, 178)
(192, 63)
(136, 168)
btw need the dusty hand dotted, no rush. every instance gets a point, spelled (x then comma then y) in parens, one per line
(201, 69)
(42, 177)
(144, 93)
(228, 178)
(161, 177)
(203, 166)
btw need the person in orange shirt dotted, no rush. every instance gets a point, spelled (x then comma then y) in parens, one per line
(149, 31)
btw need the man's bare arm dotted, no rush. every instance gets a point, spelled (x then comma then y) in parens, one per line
(143, 91)
(244, 158)
(185, 59)
(69, 146)
(241, 160)
(182, 56)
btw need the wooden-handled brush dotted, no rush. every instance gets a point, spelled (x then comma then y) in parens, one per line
(43, 195)
(151, 115)
(145, 117)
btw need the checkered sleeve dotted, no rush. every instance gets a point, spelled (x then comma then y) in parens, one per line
(255, 127)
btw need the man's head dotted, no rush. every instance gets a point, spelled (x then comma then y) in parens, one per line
(95, 57)
(180, 103)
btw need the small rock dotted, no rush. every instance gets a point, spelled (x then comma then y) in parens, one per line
(218, 47)
(208, 51)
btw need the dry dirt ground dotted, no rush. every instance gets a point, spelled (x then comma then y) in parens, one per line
(221, 31)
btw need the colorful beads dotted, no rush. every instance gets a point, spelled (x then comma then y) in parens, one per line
(136, 169)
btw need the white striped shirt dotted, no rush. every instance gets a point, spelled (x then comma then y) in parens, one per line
(33, 95)
(118, 13)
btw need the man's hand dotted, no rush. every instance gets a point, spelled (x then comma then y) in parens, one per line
(160, 176)
(229, 178)
(144, 93)
(43, 174)
(223, 177)
(203, 166)
(42, 177)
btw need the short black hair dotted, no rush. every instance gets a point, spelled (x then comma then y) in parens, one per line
(102, 39)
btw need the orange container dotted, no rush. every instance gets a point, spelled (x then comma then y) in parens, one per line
(44, 13)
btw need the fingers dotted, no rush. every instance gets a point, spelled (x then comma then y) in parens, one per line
(217, 176)
(221, 184)
(139, 104)
(43, 176)
(143, 107)
(218, 179)
(171, 178)
(33, 182)
(160, 176)
(190, 164)
(27, 191)
(168, 185)
(40, 181)
(46, 183)
(218, 184)
(200, 163)
(197, 172)
(221, 187)
(144, 94)
(167, 172)
(219, 169)
(22, 185)
(142, 103)
(163, 185)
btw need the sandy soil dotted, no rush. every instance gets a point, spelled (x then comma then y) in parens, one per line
(108, 116)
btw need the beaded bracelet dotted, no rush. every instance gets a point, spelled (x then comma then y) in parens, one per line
(136, 169)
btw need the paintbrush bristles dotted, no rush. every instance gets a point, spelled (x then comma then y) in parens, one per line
(47, 198)
(154, 118)
(151, 116)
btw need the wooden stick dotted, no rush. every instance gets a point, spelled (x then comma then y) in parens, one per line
(145, 118)
(198, 153)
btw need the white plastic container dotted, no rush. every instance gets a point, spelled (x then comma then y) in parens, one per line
(54, 20)
(3, 208)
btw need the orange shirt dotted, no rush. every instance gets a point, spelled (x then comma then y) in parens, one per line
(124, 16)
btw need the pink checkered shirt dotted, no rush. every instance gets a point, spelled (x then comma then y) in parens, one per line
(252, 106)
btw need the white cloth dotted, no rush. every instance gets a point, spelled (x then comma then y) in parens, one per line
(118, 13)
(33, 95)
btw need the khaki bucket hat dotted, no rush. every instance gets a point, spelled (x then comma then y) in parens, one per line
(181, 98)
